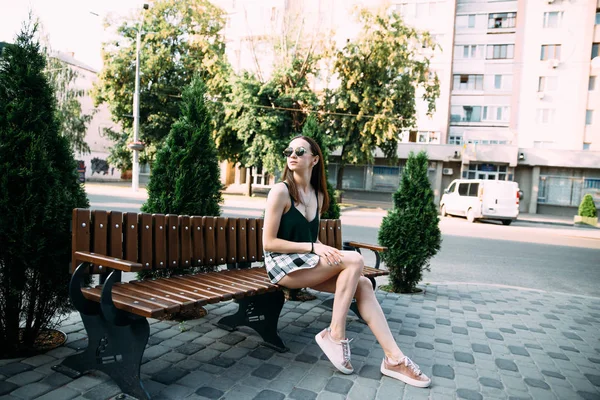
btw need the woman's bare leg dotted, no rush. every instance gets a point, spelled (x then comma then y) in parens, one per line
(346, 276)
(371, 312)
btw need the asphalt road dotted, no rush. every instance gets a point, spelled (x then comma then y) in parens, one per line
(544, 257)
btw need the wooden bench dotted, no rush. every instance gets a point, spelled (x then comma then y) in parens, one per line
(114, 313)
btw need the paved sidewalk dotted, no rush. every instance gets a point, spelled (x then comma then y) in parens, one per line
(475, 341)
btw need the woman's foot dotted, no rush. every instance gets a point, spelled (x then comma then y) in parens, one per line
(406, 371)
(338, 352)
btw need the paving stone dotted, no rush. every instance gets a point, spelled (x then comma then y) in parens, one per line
(481, 348)
(572, 336)
(25, 378)
(442, 321)
(533, 346)
(426, 325)
(302, 394)
(490, 382)
(307, 358)
(339, 385)
(595, 379)
(464, 357)
(232, 339)
(406, 332)
(468, 394)
(370, 371)
(443, 341)
(487, 317)
(63, 393)
(507, 330)
(469, 308)
(460, 330)
(156, 351)
(519, 326)
(588, 395)
(520, 351)
(552, 317)
(169, 375)
(507, 365)
(548, 326)
(422, 345)
(37, 361)
(494, 336)
(269, 395)
(209, 392)
(190, 348)
(314, 382)
(558, 356)
(262, 353)
(7, 387)
(537, 383)
(444, 371)
(31, 391)
(569, 348)
(14, 369)
(359, 351)
(267, 371)
(474, 324)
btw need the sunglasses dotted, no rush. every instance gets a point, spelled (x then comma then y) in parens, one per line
(300, 151)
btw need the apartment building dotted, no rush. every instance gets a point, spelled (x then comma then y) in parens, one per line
(519, 95)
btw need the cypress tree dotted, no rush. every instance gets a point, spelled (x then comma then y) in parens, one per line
(410, 230)
(38, 190)
(587, 208)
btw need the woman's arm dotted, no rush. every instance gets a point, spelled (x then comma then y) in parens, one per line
(276, 201)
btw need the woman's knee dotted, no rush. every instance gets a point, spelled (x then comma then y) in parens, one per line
(364, 288)
(354, 260)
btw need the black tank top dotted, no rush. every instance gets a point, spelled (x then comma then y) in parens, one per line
(295, 227)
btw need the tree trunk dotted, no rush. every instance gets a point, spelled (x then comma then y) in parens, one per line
(249, 182)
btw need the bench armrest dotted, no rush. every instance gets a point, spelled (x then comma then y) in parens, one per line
(107, 261)
(374, 248)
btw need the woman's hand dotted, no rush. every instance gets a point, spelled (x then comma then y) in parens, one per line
(330, 254)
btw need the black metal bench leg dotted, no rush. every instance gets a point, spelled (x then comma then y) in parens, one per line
(260, 313)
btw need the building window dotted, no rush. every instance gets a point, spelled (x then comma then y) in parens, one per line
(502, 20)
(545, 115)
(455, 139)
(547, 83)
(465, 114)
(592, 84)
(468, 82)
(598, 16)
(465, 21)
(468, 51)
(589, 117)
(553, 19)
(500, 51)
(595, 48)
(498, 82)
(550, 52)
(386, 178)
(586, 146)
(496, 113)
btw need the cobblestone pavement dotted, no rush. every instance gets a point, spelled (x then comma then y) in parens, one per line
(475, 341)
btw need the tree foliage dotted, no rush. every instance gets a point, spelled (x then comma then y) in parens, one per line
(587, 208)
(38, 190)
(410, 230)
(179, 39)
(382, 74)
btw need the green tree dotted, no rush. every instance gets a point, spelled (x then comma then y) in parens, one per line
(327, 143)
(185, 178)
(73, 122)
(382, 74)
(179, 39)
(38, 190)
(587, 208)
(410, 230)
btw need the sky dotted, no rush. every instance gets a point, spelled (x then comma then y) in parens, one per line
(69, 24)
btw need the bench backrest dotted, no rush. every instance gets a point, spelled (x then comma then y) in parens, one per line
(171, 241)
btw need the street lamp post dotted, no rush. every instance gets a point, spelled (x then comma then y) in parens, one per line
(136, 146)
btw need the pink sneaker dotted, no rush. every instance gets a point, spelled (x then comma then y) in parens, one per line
(337, 352)
(406, 371)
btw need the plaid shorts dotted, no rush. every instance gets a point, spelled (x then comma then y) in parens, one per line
(279, 265)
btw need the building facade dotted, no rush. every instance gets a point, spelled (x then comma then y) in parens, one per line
(519, 99)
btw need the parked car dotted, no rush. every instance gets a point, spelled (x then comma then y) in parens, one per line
(482, 199)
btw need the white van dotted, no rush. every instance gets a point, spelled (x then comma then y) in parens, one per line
(482, 199)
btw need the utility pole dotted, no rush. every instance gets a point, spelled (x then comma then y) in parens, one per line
(136, 146)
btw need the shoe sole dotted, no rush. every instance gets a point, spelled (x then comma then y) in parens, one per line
(339, 367)
(404, 378)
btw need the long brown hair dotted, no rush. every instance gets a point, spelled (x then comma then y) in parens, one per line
(317, 178)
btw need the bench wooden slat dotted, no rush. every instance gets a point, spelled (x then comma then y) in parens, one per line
(108, 261)
(130, 236)
(146, 248)
(210, 249)
(126, 304)
(256, 278)
(323, 231)
(259, 237)
(186, 302)
(241, 252)
(80, 234)
(197, 241)
(232, 233)
(221, 240)
(373, 272)
(210, 283)
(115, 234)
(338, 234)
(201, 294)
(160, 241)
(170, 306)
(100, 235)
(252, 239)
(261, 274)
(233, 278)
(209, 288)
(331, 233)
(186, 241)
(172, 240)
(367, 246)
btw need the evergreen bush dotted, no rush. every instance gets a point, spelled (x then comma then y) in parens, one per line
(185, 178)
(38, 191)
(410, 230)
(587, 208)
